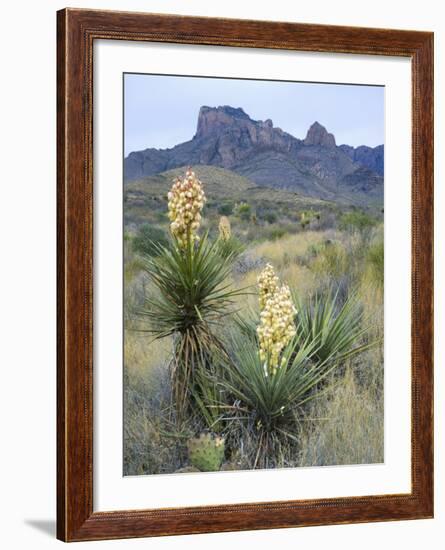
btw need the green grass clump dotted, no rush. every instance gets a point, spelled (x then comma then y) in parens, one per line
(356, 220)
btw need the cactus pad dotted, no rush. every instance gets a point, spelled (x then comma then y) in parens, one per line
(206, 452)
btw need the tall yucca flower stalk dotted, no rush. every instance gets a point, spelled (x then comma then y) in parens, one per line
(268, 284)
(227, 244)
(225, 230)
(185, 202)
(276, 327)
(191, 294)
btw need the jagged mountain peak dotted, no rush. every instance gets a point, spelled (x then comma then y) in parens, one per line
(318, 135)
(236, 112)
(215, 120)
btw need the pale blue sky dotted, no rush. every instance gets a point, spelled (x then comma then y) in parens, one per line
(161, 111)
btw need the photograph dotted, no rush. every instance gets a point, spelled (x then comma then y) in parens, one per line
(253, 276)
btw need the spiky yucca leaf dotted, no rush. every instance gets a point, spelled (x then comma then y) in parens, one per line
(338, 330)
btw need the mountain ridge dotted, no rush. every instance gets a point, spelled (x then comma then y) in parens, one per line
(227, 137)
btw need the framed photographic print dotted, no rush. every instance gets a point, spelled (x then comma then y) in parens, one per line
(245, 228)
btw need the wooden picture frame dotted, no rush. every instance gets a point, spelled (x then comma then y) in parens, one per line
(76, 32)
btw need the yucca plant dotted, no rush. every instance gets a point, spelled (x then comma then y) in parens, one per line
(191, 298)
(338, 330)
(272, 388)
(272, 403)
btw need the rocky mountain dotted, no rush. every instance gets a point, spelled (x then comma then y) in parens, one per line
(316, 167)
(370, 157)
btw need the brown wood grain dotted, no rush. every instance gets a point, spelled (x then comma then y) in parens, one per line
(76, 32)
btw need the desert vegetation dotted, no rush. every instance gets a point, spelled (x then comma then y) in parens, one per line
(253, 327)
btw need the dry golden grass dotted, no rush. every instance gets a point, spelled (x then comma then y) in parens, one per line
(142, 355)
(347, 426)
(283, 254)
(284, 251)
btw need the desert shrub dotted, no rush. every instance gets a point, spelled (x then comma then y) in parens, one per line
(308, 217)
(148, 239)
(264, 411)
(226, 209)
(276, 233)
(314, 250)
(145, 449)
(356, 220)
(190, 296)
(243, 210)
(247, 262)
(260, 403)
(270, 217)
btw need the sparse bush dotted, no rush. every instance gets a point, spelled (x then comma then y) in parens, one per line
(247, 262)
(276, 233)
(356, 220)
(225, 209)
(271, 217)
(148, 240)
(243, 210)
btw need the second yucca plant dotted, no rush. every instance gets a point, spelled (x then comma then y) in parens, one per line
(283, 363)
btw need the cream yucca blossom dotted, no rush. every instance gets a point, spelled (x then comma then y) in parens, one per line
(225, 231)
(185, 202)
(268, 284)
(276, 328)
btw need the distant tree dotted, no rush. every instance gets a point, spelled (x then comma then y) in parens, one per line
(225, 209)
(271, 217)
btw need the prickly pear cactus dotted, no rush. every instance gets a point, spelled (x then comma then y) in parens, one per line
(206, 452)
